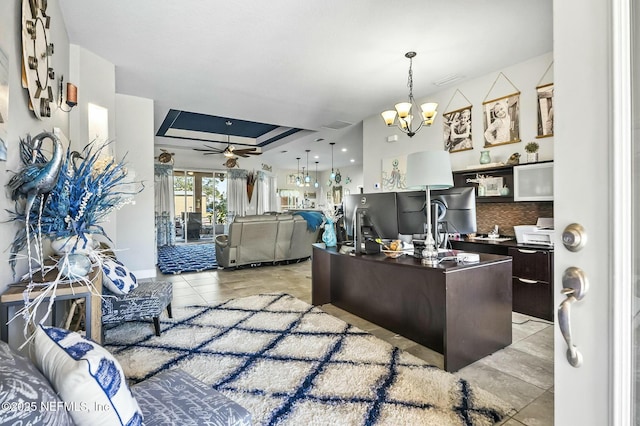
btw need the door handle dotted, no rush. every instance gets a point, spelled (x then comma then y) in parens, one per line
(575, 286)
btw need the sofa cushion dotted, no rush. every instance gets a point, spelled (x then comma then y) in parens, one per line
(117, 277)
(26, 396)
(186, 401)
(87, 377)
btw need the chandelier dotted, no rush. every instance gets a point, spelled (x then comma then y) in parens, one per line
(307, 178)
(298, 180)
(405, 110)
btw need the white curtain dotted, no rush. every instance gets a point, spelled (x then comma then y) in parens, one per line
(164, 205)
(237, 197)
(266, 193)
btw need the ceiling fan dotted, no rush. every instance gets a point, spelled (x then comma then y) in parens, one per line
(229, 151)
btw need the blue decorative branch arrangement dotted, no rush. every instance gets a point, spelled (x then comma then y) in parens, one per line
(65, 198)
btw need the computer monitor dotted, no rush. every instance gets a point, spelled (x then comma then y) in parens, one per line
(412, 216)
(381, 213)
(460, 214)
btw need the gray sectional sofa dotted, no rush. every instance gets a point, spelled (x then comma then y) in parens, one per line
(270, 238)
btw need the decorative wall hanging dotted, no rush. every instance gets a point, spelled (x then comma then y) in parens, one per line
(545, 105)
(501, 117)
(38, 76)
(4, 103)
(457, 126)
(394, 172)
(251, 182)
(545, 110)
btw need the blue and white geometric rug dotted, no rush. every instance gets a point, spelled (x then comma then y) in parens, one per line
(293, 364)
(187, 258)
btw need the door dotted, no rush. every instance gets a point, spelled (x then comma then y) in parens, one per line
(593, 187)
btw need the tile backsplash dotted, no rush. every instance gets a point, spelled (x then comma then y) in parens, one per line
(507, 215)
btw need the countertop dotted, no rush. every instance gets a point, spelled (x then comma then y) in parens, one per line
(501, 243)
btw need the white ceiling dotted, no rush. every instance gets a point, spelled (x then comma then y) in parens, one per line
(303, 64)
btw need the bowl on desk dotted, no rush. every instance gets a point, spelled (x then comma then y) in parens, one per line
(394, 254)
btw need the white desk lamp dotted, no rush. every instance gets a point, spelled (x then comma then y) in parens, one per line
(429, 170)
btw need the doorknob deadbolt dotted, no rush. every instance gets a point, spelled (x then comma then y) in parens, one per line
(574, 237)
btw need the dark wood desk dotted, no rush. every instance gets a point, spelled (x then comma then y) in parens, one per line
(461, 311)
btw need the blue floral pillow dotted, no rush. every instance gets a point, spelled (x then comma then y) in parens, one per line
(87, 377)
(117, 277)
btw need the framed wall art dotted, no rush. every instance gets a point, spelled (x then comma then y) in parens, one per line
(457, 130)
(545, 110)
(394, 173)
(502, 120)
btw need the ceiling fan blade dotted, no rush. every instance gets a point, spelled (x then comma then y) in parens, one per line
(209, 150)
(250, 151)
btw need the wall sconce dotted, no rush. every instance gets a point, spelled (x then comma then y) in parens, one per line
(72, 95)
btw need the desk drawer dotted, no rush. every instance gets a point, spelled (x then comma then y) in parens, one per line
(531, 264)
(533, 298)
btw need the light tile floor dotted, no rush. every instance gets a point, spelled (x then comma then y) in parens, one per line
(521, 374)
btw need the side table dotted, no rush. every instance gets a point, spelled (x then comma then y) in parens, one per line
(13, 296)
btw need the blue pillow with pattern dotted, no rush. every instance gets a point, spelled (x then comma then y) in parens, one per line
(117, 277)
(87, 377)
(24, 392)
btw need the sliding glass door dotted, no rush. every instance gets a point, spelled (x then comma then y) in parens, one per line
(200, 205)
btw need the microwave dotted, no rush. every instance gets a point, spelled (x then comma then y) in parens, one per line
(533, 182)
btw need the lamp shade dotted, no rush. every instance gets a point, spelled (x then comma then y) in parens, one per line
(429, 169)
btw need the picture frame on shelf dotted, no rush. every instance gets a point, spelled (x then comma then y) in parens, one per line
(492, 186)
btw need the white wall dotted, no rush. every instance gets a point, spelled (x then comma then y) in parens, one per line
(136, 231)
(21, 121)
(525, 76)
(96, 81)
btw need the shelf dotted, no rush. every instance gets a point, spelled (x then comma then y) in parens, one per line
(495, 199)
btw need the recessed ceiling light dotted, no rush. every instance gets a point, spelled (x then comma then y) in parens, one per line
(316, 156)
(319, 139)
(344, 149)
(352, 160)
(282, 152)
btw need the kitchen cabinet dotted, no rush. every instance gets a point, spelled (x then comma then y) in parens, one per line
(533, 282)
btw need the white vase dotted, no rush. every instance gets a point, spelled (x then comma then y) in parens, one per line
(72, 244)
(532, 157)
(74, 265)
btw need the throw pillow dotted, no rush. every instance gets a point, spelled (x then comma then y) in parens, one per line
(117, 277)
(87, 377)
(26, 395)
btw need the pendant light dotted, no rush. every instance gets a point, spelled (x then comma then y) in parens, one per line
(333, 174)
(316, 183)
(307, 178)
(298, 183)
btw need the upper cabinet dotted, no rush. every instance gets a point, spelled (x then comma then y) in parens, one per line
(533, 182)
(505, 184)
